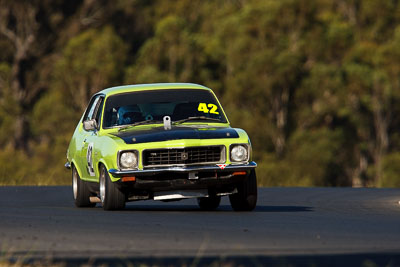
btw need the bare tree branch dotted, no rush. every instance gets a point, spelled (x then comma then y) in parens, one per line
(4, 16)
(18, 24)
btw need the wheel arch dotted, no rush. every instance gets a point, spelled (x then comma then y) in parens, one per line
(77, 168)
(103, 162)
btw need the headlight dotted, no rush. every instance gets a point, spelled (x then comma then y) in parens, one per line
(239, 153)
(128, 160)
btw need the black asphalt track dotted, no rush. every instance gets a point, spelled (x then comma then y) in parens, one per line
(289, 227)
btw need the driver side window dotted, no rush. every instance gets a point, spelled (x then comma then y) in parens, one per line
(94, 109)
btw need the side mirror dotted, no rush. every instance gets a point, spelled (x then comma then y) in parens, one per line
(90, 125)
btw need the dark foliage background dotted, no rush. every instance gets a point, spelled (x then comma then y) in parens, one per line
(316, 83)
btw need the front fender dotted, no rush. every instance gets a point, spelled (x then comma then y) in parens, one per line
(73, 164)
(103, 162)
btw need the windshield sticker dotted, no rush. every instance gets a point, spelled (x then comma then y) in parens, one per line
(208, 108)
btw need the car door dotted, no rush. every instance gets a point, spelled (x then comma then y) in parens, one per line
(89, 139)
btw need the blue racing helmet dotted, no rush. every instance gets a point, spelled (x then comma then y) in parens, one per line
(126, 114)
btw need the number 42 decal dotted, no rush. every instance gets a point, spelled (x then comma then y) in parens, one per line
(208, 108)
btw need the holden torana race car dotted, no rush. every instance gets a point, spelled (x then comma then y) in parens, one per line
(162, 142)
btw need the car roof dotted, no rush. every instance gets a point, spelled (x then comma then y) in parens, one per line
(151, 86)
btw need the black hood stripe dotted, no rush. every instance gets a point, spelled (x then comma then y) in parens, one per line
(158, 134)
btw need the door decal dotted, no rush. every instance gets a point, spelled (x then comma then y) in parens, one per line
(89, 159)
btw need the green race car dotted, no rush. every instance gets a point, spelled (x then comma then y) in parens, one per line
(163, 142)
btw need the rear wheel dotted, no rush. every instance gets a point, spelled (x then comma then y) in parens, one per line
(80, 191)
(209, 203)
(246, 197)
(111, 196)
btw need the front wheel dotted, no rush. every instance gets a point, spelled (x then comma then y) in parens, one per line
(80, 191)
(111, 196)
(246, 197)
(209, 203)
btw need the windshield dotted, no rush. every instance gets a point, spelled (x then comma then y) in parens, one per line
(134, 107)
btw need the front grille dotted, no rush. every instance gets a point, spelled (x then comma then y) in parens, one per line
(183, 156)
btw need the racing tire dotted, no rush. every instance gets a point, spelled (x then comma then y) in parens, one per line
(80, 191)
(209, 203)
(111, 196)
(246, 197)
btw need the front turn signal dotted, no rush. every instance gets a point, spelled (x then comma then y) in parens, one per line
(239, 173)
(128, 179)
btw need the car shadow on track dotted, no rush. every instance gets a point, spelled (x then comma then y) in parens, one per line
(283, 209)
(221, 208)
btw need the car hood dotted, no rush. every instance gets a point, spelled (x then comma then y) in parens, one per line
(158, 134)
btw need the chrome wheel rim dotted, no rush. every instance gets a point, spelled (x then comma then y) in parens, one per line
(75, 183)
(102, 186)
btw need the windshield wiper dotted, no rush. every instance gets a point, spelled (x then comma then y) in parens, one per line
(195, 118)
(138, 123)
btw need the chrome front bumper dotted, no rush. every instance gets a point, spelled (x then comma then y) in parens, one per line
(67, 165)
(186, 169)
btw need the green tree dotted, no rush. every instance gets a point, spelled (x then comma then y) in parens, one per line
(173, 54)
(263, 56)
(91, 61)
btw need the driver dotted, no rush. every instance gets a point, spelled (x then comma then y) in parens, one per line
(129, 114)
